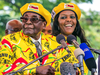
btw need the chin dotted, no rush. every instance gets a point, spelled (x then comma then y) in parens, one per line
(69, 32)
(28, 34)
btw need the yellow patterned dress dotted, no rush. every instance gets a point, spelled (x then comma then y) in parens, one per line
(18, 50)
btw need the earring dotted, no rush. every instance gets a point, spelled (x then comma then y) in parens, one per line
(58, 28)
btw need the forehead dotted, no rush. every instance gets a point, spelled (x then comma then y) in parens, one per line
(13, 24)
(14, 27)
(68, 12)
(48, 28)
(31, 14)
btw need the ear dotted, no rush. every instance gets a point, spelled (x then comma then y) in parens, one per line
(6, 32)
(44, 24)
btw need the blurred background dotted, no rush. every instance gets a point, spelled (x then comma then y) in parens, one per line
(90, 18)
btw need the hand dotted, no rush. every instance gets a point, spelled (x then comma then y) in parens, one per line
(45, 70)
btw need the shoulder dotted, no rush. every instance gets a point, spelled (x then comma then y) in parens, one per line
(11, 37)
(47, 36)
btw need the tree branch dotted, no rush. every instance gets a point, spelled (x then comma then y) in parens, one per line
(9, 1)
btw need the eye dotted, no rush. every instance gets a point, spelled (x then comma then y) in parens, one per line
(72, 17)
(23, 18)
(34, 19)
(16, 29)
(63, 17)
(49, 31)
(43, 30)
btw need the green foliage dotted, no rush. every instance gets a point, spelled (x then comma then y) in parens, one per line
(91, 25)
(81, 1)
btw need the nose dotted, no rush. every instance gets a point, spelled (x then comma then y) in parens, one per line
(28, 21)
(68, 19)
(46, 32)
(28, 24)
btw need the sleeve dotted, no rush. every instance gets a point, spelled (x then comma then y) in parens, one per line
(8, 63)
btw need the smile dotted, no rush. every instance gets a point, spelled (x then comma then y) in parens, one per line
(68, 25)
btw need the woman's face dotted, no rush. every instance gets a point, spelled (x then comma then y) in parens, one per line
(67, 22)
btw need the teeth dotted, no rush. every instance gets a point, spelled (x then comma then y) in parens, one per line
(68, 25)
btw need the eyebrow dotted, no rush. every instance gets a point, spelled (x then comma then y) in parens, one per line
(35, 16)
(32, 16)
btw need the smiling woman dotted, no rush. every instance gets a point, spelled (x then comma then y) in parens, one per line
(65, 21)
(65, 17)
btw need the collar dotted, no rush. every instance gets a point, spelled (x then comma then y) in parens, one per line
(27, 38)
(39, 40)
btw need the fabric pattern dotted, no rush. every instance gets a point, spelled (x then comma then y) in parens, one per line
(18, 50)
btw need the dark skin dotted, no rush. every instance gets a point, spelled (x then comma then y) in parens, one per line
(47, 30)
(13, 26)
(34, 30)
(45, 70)
(67, 22)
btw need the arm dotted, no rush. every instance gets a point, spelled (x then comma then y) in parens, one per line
(6, 57)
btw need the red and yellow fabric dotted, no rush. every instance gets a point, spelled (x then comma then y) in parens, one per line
(18, 49)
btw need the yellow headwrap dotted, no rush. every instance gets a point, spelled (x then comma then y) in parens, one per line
(63, 6)
(37, 8)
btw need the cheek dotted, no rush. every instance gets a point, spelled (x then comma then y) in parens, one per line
(10, 32)
(22, 25)
(61, 22)
(39, 26)
(75, 22)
